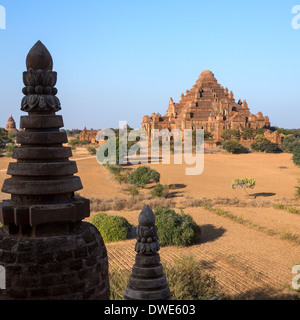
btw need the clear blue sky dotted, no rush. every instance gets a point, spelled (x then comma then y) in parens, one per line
(120, 60)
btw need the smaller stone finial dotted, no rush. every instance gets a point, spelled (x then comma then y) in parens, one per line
(171, 101)
(147, 240)
(147, 281)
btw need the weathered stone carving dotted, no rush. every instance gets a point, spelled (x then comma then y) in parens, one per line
(147, 240)
(147, 281)
(40, 94)
(46, 249)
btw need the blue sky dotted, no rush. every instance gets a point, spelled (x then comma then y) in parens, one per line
(120, 60)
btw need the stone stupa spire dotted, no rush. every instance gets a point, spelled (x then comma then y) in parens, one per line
(147, 281)
(42, 185)
(47, 251)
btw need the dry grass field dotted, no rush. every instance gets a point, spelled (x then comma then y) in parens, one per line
(247, 244)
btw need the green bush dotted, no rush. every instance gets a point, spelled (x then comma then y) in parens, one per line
(296, 155)
(176, 229)
(74, 142)
(289, 142)
(234, 147)
(92, 150)
(143, 175)
(9, 150)
(133, 191)
(230, 134)
(112, 228)
(160, 191)
(265, 145)
(248, 133)
(286, 132)
(298, 192)
(187, 281)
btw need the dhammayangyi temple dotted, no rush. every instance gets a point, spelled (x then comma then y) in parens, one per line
(207, 106)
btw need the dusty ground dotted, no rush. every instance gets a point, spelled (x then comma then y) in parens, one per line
(246, 262)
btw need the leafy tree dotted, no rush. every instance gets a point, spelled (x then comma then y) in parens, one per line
(176, 229)
(261, 144)
(234, 147)
(4, 138)
(160, 191)
(296, 155)
(92, 150)
(231, 134)
(248, 133)
(289, 142)
(143, 175)
(286, 132)
(243, 184)
(112, 228)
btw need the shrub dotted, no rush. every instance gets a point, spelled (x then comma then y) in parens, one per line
(176, 229)
(160, 191)
(118, 281)
(120, 174)
(296, 155)
(298, 192)
(234, 147)
(143, 175)
(185, 278)
(248, 133)
(286, 132)
(230, 134)
(262, 144)
(112, 228)
(133, 191)
(92, 150)
(9, 150)
(74, 142)
(244, 183)
(187, 281)
(288, 143)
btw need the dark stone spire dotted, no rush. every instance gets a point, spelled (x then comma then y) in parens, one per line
(42, 185)
(147, 281)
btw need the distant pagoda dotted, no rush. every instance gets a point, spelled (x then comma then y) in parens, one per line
(11, 125)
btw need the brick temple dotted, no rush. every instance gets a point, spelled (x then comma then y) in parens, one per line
(207, 106)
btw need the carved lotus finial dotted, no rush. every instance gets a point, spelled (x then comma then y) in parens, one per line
(40, 92)
(39, 58)
(147, 239)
